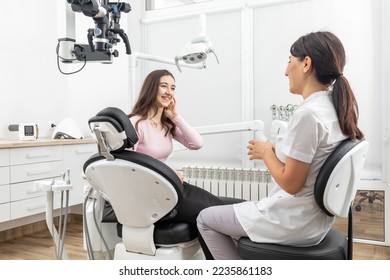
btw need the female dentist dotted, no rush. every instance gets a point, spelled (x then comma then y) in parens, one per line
(327, 116)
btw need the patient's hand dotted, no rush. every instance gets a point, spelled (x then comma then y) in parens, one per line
(180, 175)
(171, 111)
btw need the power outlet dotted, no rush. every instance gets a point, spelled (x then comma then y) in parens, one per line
(51, 125)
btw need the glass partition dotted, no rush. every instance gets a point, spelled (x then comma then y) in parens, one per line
(368, 216)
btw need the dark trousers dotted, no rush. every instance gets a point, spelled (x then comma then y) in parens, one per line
(193, 201)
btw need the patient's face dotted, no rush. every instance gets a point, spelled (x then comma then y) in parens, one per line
(166, 91)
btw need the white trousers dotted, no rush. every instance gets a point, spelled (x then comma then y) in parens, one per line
(220, 230)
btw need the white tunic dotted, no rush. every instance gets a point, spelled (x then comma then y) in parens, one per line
(312, 134)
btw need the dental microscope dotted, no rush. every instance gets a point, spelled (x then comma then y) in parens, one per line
(101, 38)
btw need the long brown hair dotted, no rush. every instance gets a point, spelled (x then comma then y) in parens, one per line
(147, 100)
(328, 58)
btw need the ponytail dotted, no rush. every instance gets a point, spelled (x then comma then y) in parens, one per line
(346, 108)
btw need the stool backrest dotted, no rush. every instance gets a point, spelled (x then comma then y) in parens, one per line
(336, 184)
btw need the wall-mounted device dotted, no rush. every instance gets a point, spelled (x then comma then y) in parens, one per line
(27, 131)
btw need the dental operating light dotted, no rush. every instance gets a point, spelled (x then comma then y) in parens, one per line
(197, 50)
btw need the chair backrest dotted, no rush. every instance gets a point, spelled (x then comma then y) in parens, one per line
(140, 191)
(140, 188)
(336, 184)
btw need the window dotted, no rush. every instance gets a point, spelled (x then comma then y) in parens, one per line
(161, 4)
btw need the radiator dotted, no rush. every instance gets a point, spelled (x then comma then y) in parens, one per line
(248, 184)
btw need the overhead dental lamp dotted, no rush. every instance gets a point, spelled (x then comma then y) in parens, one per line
(197, 50)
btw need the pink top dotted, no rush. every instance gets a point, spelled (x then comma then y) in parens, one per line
(153, 142)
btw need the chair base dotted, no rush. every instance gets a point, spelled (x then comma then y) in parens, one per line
(370, 196)
(183, 251)
(333, 247)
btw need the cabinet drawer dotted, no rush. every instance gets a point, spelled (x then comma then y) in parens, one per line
(4, 194)
(4, 175)
(32, 206)
(35, 154)
(36, 171)
(24, 190)
(28, 207)
(4, 157)
(5, 212)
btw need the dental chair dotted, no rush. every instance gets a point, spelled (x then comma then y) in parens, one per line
(334, 192)
(144, 193)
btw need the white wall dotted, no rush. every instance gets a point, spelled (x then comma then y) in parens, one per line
(31, 88)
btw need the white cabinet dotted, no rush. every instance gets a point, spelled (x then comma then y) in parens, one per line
(4, 157)
(27, 165)
(5, 212)
(21, 166)
(29, 155)
(4, 186)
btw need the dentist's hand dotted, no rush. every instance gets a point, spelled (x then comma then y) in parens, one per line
(171, 110)
(257, 149)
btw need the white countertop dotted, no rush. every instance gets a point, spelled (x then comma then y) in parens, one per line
(14, 143)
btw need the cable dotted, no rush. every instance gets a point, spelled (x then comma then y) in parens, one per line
(53, 229)
(65, 222)
(60, 237)
(91, 256)
(100, 233)
(87, 235)
(58, 62)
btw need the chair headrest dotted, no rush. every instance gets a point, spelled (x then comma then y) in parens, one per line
(115, 127)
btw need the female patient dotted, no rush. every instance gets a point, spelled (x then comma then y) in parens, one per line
(327, 115)
(156, 119)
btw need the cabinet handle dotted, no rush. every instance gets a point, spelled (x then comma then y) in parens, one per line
(37, 155)
(37, 172)
(83, 152)
(35, 207)
(33, 191)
